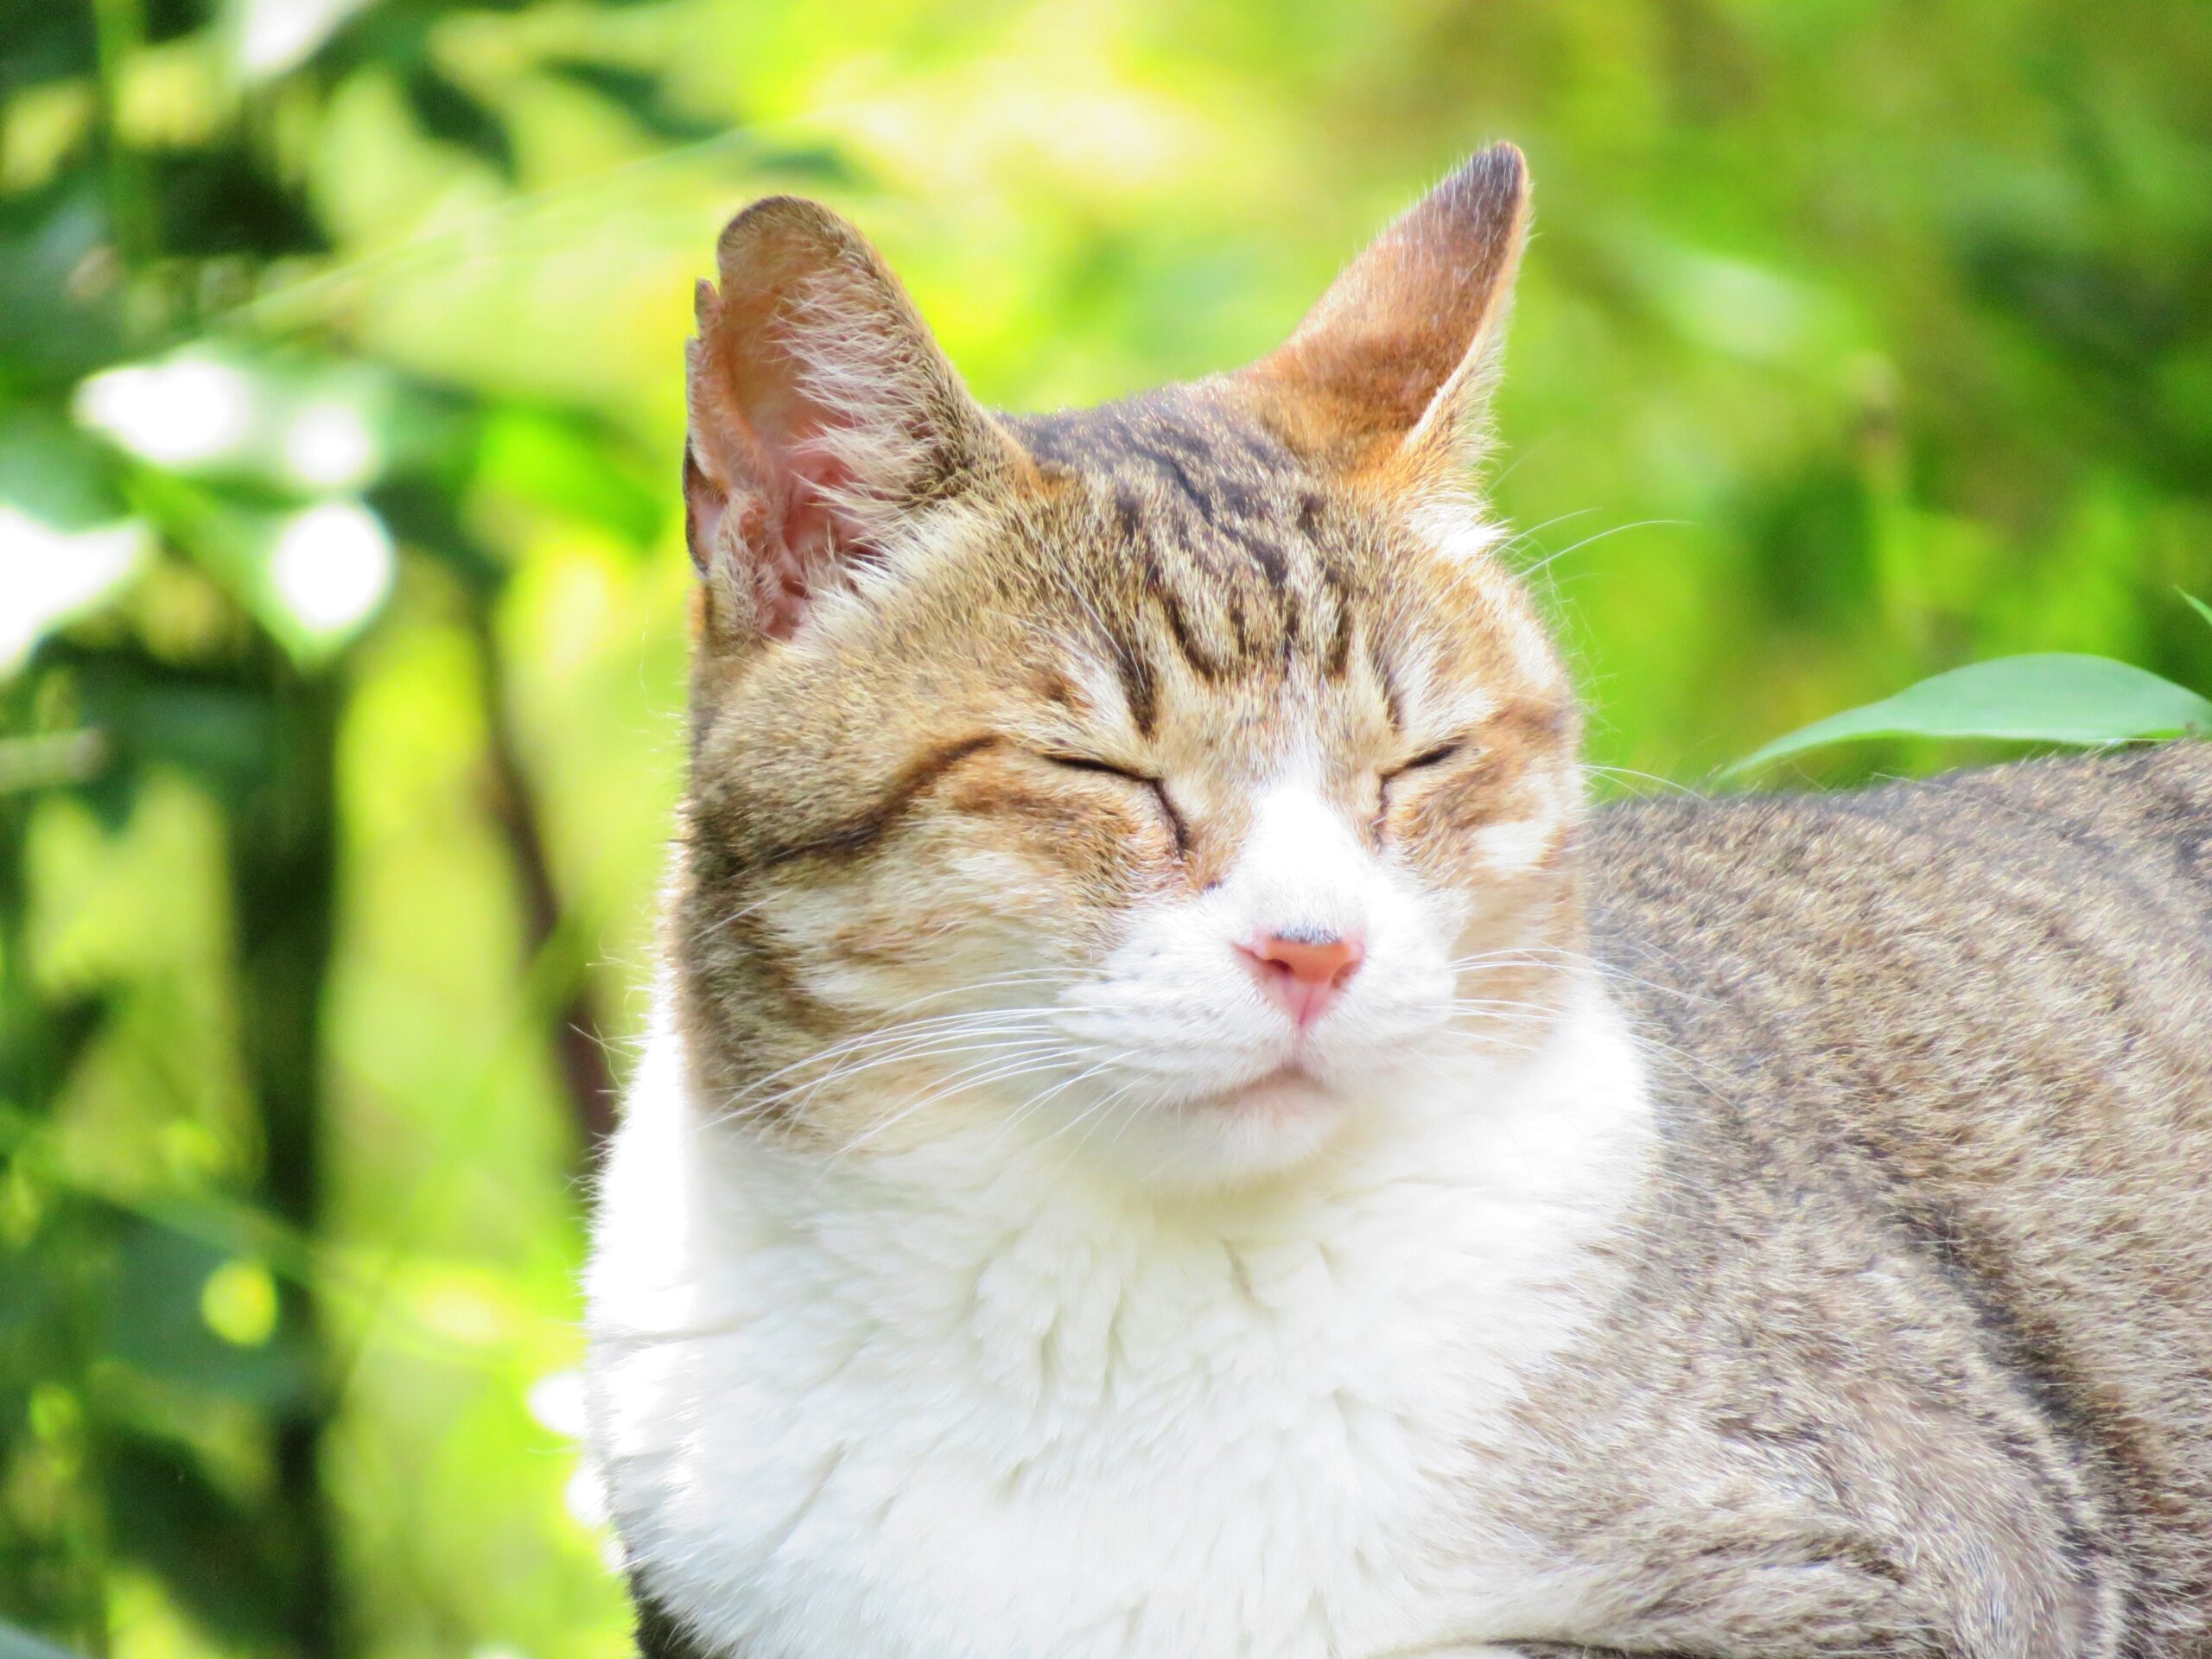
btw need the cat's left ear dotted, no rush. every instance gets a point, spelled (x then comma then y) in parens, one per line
(823, 414)
(1395, 363)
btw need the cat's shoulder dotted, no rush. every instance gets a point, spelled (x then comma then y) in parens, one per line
(2062, 906)
(2129, 817)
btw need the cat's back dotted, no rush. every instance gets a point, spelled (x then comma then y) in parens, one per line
(2018, 951)
(1980, 1009)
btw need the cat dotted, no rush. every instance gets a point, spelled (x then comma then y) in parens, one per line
(1169, 1128)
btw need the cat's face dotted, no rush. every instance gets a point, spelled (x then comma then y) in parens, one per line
(1167, 781)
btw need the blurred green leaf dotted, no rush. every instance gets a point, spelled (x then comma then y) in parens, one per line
(50, 759)
(40, 1046)
(640, 96)
(558, 464)
(312, 576)
(60, 286)
(155, 1323)
(451, 113)
(821, 164)
(56, 474)
(2049, 697)
(212, 725)
(2200, 606)
(428, 519)
(66, 541)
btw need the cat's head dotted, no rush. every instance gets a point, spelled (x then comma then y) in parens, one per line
(1166, 781)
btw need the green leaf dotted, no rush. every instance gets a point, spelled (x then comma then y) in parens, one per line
(66, 541)
(40, 1046)
(2201, 607)
(46, 42)
(2049, 697)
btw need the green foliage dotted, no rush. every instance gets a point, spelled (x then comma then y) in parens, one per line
(341, 595)
(2056, 697)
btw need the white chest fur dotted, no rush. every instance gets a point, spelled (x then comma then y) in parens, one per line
(966, 1403)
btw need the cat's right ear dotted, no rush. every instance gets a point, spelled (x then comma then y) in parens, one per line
(822, 413)
(1394, 365)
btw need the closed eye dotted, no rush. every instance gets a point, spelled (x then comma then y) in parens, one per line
(1435, 757)
(1427, 761)
(1085, 763)
(1088, 763)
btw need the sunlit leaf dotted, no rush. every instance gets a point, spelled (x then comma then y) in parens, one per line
(295, 425)
(47, 576)
(273, 35)
(55, 473)
(191, 409)
(2054, 697)
(330, 567)
(554, 463)
(312, 576)
(239, 1302)
(66, 541)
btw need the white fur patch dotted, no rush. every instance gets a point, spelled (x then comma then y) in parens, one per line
(1452, 522)
(974, 1399)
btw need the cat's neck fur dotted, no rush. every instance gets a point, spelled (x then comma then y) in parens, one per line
(994, 1331)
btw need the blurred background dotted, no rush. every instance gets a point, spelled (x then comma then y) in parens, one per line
(341, 589)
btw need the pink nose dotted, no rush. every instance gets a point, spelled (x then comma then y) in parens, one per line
(1303, 975)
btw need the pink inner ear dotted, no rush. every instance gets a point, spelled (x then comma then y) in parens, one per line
(820, 409)
(792, 535)
(817, 539)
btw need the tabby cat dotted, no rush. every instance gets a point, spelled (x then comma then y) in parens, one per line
(1170, 1131)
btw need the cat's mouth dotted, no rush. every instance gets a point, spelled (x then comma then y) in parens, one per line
(1289, 1088)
